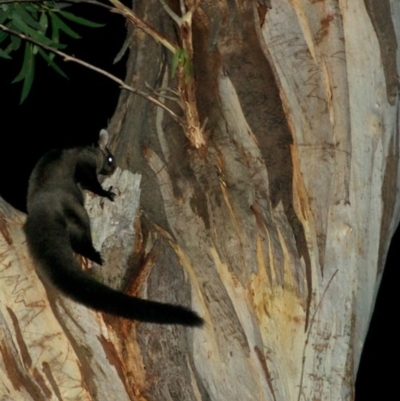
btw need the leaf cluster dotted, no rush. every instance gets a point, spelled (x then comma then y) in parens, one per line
(43, 22)
(181, 57)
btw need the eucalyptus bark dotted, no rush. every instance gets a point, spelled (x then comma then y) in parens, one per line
(275, 231)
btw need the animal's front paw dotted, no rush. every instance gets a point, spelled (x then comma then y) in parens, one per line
(96, 257)
(111, 195)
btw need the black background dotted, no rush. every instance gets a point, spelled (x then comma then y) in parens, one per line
(64, 113)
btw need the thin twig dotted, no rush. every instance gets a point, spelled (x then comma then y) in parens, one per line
(94, 2)
(123, 85)
(169, 11)
(20, 1)
(134, 19)
(161, 89)
(183, 7)
(160, 94)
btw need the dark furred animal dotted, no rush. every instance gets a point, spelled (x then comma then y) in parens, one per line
(58, 225)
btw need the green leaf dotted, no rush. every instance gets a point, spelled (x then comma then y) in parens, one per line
(27, 72)
(27, 83)
(80, 20)
(181, 56)
(55, 36)
(4, 54)
(22, 27)
(43, 21)
(52, 64)
(33, 8)
(5, 15)
(3, 35)
(15, 43)
(175, 61)
(25, 65)
(60, 25)
(26, 17)
(55, 32)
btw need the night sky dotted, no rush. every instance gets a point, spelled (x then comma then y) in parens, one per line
(65, 113)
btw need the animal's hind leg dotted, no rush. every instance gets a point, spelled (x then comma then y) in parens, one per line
(81, 236)
(84, 247)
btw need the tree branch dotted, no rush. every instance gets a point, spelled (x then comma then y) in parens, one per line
(134, 19)
(168, 10)
(123, 85)
(94, 2)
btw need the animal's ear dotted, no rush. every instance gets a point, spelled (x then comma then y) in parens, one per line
(103, 139)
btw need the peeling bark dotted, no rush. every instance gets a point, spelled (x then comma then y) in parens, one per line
(275, 231)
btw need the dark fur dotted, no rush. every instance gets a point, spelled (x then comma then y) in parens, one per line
(58, 225)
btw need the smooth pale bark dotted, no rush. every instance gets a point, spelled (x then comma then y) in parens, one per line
(276, 231)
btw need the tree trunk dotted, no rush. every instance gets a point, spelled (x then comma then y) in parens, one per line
(275, 229)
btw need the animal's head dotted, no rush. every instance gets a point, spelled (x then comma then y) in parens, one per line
(108, 165)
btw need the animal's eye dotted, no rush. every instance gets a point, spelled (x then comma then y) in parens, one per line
(110, 160)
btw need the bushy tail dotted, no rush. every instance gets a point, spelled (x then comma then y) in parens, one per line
(58, 265)
(76, 285)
